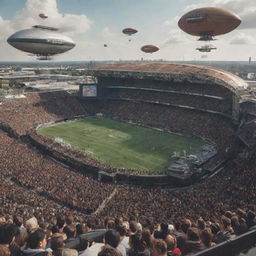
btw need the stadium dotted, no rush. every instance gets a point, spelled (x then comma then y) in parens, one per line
(213, 105)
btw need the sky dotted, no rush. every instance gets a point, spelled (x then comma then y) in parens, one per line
(93, 23)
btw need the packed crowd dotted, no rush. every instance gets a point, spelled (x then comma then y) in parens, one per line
(208, 89)
(223, 106)
(63, 235)
(37, 108)
(248, 133)
(40, 174)
(34, 185)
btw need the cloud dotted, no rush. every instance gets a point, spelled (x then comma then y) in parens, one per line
(68, 23)
(242, 39)
(107, 33)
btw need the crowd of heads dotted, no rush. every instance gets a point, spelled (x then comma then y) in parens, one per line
(197, 102)
(63, 235)
(154, 221)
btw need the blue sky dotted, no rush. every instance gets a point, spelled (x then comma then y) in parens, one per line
(91, 23)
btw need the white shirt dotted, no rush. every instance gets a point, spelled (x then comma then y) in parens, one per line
(93, 250)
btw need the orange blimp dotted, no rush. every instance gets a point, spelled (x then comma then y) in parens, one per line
(149, 48)
(208, 22)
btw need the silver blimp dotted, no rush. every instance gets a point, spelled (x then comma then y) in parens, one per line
(41, 41)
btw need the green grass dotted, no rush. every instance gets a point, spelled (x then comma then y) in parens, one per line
(122, 145)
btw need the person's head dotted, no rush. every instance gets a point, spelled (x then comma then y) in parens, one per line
(69, 220)
(226, 222)
(164, 227)
(251, 215)
(57, 242)
(201, 224)
(146, 238)
(215, 228)
(193, 234)
(185, 225)
(4, 251)
(241, 213)
(118, 222)
(60, 221)
(228, 214)
(37, 239)
(8, 232)
(109, 251)
(69, 252)
(48, 232)
(17, 220)
(21, 239)
(159, 248)
(70, 231)
(110, 224)
(79, 229)
(171, 242)
(136, 243)
(133, 226)
(121, 230)
(206, 237)
(31, 224)
(112, 238)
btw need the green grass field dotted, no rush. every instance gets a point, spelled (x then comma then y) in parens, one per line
(122, 145)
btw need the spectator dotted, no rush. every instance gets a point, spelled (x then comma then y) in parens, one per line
(193, 243)
(171, 243)
(36, 244)
(138, 247)
(159, 248)
(109, 251)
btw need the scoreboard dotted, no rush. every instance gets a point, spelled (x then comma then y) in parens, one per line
(88, 90)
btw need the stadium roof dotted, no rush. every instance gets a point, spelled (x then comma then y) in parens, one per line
(173, 72)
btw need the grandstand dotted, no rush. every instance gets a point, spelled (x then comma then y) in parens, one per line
(42, 178)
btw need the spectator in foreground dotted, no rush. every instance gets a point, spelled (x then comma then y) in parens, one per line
(159, 248)
(171, 243)
(36, 244)
(138, 247)
(206, 238)
(193, 243)
(109, 251)
(7, 236)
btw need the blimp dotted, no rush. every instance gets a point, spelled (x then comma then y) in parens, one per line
(149, 48)
(41, 41)
(208, 22)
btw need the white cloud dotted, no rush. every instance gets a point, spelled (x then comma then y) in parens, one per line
(28, 16)
(242, 38)
(107, 33)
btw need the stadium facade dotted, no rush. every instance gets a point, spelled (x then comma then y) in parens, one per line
(192, 91)
(197, 83)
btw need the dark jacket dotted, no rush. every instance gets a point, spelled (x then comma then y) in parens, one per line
(192, 247)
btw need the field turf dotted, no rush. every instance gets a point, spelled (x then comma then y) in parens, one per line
(122, 145)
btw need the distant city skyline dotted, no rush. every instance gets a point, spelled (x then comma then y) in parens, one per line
(93, 23)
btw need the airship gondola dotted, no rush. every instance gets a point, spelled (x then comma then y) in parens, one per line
(41, 41)
(206, 48)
